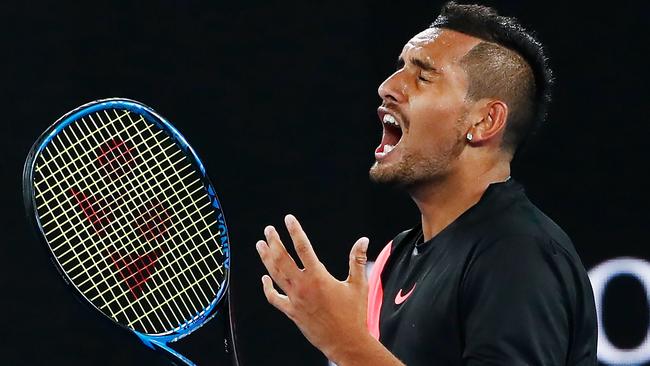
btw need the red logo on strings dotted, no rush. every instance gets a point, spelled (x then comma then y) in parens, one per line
(152, 221)
(151, 224)
(96, 212)
(116, 158)
(135, 270)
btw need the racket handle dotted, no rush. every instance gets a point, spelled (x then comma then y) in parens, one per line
(230, 330)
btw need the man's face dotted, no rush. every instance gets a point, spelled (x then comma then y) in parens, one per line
(423, 110)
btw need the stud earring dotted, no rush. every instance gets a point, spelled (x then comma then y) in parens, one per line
(469, 137)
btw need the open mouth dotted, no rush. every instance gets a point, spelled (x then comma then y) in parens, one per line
(391, 136)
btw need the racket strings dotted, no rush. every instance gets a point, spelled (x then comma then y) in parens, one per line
(84, 166)
(138, 269)
(149, 230)
(78, 143)
(140, 246)
(184, 274)
(190, 252)
(107, 191)
(68, 218)
(94, 246)
(126, 236)
(169, 263)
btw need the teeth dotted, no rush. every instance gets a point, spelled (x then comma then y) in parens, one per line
(390, 119)
(388, 148)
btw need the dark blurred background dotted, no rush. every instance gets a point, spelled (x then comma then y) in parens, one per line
(279, 100)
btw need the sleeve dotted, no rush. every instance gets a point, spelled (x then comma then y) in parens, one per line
(514, 305)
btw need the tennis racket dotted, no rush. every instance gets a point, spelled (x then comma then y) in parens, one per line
(132, 223)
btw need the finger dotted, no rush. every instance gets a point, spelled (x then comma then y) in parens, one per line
(358, 260)
(279, 301)
(301, 242)
(273, 266)
(284, 261)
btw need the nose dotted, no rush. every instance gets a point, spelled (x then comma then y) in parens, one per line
(393, 89)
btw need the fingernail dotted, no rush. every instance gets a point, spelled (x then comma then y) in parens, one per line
(289, 219)
(259, 246)
(364, 244)
(267, 230)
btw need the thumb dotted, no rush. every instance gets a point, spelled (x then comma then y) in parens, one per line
(358, 261)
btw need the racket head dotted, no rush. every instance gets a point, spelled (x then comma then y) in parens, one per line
(192, 320)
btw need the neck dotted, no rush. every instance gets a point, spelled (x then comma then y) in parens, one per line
(443, 201)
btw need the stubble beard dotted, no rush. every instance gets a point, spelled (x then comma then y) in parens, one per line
(415, 169)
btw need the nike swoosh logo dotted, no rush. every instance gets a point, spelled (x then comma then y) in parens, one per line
(401, 298)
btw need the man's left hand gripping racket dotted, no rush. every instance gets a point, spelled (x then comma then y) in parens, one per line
(132, 222)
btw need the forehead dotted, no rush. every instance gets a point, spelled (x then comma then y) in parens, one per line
(440, 47)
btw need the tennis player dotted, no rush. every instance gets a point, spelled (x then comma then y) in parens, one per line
(485, 278)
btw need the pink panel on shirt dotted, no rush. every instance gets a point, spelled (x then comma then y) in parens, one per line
(376, 292)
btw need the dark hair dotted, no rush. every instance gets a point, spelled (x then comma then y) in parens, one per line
(510, 64)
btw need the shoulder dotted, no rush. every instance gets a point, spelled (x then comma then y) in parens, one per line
(525, 225)
(516, 272)
(525, 268)
(522, 252)
(521, 292)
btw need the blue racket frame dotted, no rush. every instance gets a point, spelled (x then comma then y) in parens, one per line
(157, 342)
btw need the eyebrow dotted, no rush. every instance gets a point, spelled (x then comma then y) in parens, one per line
(424, 65)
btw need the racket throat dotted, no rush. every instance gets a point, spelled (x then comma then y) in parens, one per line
(162, 348)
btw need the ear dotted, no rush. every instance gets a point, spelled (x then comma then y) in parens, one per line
(490, 116)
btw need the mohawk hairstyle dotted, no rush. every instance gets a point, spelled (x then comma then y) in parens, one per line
(509, 64)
